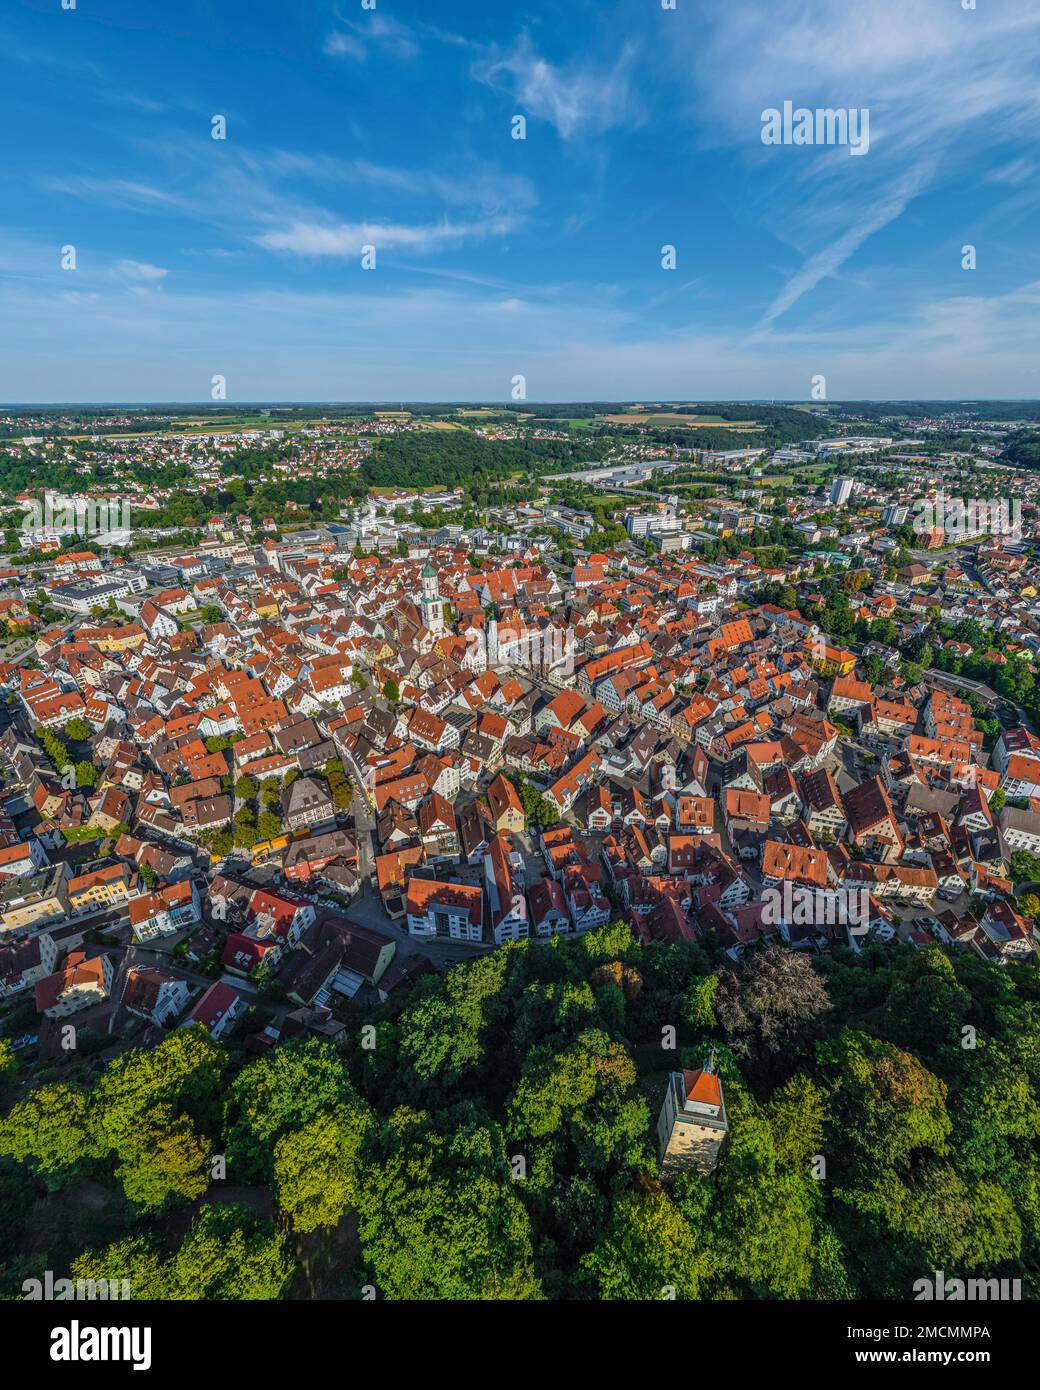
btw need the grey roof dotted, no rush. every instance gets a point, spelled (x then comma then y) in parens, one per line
(922, 800)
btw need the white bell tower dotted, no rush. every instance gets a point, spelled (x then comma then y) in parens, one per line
(432, 603)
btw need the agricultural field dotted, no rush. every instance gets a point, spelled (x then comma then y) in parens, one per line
(667, 418)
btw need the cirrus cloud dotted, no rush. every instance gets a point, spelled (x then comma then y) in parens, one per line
(342, 239)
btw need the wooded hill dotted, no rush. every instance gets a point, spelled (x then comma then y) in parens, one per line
(493, 1137)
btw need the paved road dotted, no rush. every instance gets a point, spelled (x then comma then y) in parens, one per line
(364, 826)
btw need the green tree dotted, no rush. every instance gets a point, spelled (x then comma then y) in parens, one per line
(699, 1006)
(647, 1252)
(883, 1104)
(168, 1161)
(797, 1113)
(227, 1254)
(758, 1220)
(927, 1006)
(315, 1167)
(157, 1111)
(51, 1131)
(441, 1031)
(440, 1217)
(581, 1095)
(1025, 867)
(285, 1090)
(222, 843)
(8, 1067)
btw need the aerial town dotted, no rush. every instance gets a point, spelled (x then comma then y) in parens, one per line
(271, 780)
(519, 682)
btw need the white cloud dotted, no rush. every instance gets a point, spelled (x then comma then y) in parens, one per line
(1017, 172)
(576, 98)
(142, 271)
(341, 239)
(340, 45)
(470, 183)
(121, 192)
(378, 32)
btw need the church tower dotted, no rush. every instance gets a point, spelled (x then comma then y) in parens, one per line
(692, 1123)
(432, 603)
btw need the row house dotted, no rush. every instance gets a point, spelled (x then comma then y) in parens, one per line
(438, 829)
(507, 812)
(822, 808)
(1021, 777)
(107, 886)
(430, 732)
(1016, 740)
(917, 882)
(168, 910)
(217, 1010)
(548, 913)
(273, 924)
(24, 962)
(447, 911)
(505, 896)
(745, 811)
(1020, 829)
(307, 859)
(587, 903)
(81, 983)
(849, 695)
(795, 864)
(308, 805)
(29, 902)
(871, 821)
(154, 994)
(23, 859)
(887, 719)
(565, 790)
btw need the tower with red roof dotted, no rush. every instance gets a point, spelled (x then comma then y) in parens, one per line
(692, 1123)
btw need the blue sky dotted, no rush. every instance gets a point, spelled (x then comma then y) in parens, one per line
(498, 257)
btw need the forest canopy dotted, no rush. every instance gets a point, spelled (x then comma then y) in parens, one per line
(494, 1137)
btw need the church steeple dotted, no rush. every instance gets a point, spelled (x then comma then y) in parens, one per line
(432, 604)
